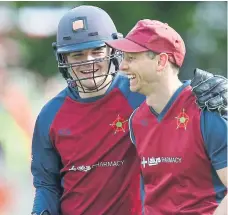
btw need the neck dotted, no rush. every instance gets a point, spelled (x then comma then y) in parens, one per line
(99, 92)
(162, 92)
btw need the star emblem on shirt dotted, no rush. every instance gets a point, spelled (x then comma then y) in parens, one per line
(119, 124)
(182, 120)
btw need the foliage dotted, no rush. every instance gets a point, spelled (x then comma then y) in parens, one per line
(38, 53)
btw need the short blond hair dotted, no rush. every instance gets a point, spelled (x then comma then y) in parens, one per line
(152, 55)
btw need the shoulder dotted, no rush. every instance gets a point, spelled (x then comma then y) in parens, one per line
(213, 124)
(51, 108)
(122, 83)
(45, 119)
(214, 132)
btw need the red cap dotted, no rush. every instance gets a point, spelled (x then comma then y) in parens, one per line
(155, 36)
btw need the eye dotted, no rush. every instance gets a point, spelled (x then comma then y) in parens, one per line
(76, 55)
(98, 52)
(129, 58)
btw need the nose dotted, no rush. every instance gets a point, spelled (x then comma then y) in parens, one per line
(89, 57)
(124, 66)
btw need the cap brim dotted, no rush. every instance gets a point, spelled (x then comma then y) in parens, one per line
(125, 45)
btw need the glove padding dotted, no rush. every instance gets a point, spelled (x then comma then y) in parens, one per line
(211, 91)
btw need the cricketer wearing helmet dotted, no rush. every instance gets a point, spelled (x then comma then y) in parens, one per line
(83, 159)
(183, 150)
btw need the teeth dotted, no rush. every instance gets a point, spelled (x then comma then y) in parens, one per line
(131, 76)
(87, 71)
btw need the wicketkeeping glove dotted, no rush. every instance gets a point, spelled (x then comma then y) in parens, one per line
(211, 91)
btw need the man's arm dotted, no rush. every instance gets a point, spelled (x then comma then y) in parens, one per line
(211, 91)
(222, 208)
(214, 131)
(45, 169)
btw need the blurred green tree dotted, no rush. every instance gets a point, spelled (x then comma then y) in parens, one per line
(39, 57)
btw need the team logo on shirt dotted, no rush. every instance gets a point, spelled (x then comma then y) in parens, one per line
(182, 120)
(87, 168)
(154, 161)
(119, 124)
(80, 168)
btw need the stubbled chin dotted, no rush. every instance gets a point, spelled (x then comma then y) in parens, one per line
(133, 89)
(133, 84)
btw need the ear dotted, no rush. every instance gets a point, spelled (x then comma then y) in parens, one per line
(162, 61)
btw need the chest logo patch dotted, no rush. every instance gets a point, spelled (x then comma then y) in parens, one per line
(182, 120)
(119, 124)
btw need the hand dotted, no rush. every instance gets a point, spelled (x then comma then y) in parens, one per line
(211, 91)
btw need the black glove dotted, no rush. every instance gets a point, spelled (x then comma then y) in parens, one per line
(211, 91)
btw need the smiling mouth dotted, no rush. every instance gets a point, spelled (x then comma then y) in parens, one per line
(131, 77)
(89, 71)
